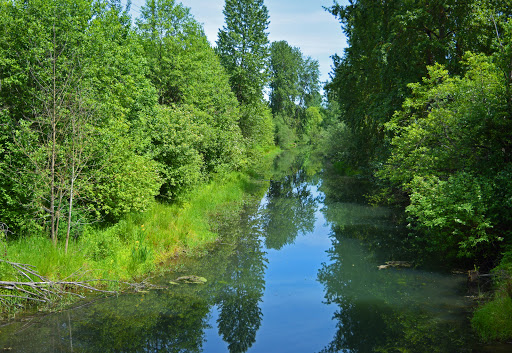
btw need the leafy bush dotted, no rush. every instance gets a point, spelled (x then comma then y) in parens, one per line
(129, 182)
(177, 137)
(448, 152)
(492, 320)
(453, 213)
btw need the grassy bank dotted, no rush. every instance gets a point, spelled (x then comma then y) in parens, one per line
(492, 320)
(140, 244)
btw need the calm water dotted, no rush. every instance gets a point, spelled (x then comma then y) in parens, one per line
(295, 272)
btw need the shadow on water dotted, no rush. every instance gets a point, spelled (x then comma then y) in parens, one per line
(294, 272)
(389, 309)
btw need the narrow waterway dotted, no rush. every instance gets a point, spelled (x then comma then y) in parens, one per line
(297, 271)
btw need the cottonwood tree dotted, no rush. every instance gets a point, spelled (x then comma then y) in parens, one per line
(51, 134)
(243, 47)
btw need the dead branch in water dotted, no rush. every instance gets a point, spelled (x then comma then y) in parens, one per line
(31, 286)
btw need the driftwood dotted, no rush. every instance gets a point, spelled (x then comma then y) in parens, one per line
(31, 286)
(394, 264)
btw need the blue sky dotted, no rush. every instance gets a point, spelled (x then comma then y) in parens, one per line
(302, 23)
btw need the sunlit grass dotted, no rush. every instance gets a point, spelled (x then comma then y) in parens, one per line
(141, 243)
(138, 243)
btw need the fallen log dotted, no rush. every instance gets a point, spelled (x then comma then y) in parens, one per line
(32, 286)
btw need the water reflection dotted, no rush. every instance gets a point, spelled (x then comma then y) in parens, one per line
(239, 300)
(391, 310)
(325, 293)
(289, 210)
(159, 321)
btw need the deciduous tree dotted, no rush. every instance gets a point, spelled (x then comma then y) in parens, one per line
(243, 47)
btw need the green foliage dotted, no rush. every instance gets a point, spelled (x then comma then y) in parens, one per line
(257, 125)
(338, 142)
(112, 140)
(243, 48)
(203, 136)
(447, 152)
(285, 136)
(127, 182)
(370, 79)
(312, 124)
(174, 45)
(177, 139)
(294, 93)
(72, 91)
(285, 68)
(449, 110)
(453, 212)
(492, 320)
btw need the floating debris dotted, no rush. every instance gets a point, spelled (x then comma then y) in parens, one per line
(394, 264)
(189, 280)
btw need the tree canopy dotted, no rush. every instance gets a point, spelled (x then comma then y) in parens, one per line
(243, 47)
(424, 92)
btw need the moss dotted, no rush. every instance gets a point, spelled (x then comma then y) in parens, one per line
(493, 320)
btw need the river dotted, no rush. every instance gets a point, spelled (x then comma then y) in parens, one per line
(297, 271)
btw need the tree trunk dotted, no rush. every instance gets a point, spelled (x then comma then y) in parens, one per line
(54, 141)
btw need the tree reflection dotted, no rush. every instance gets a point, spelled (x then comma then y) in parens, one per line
(239, 319)
(161, 321)
(240, 314)
(393, 310)
(289, 211)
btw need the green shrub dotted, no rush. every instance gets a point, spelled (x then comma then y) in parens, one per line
(453, 212)
(102, 244)
(493, 321)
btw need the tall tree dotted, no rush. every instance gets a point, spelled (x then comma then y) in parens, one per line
(285, 69)
(243, 47)
(370, 79)
(294, 87)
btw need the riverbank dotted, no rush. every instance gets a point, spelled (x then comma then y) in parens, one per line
(141, 244)
(312, 242)
(492, 318)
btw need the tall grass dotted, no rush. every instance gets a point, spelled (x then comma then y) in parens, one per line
(139, 242)
(142, 242)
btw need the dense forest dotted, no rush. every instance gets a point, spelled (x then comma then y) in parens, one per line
(108, 122)
(100, 116)
(119, 136)
(424, 92)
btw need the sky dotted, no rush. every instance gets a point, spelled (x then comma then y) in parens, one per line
(302, 23)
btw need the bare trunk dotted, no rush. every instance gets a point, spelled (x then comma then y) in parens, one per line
(70, 210)
(54, 141)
